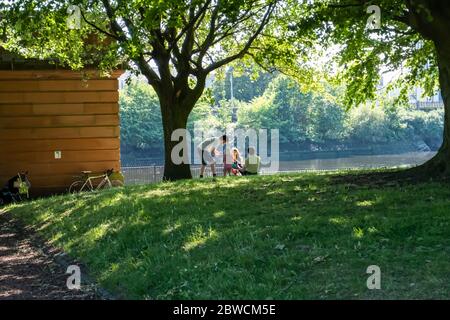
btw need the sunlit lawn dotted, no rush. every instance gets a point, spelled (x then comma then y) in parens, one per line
(280, 237)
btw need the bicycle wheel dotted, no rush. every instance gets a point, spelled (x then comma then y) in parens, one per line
(17, 198)
(76, 187)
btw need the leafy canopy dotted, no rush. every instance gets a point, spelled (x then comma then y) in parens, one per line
(177, 43)
(361, 54)
(174, 43)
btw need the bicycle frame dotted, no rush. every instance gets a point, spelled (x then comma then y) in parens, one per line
(89, 180)
(103, 182)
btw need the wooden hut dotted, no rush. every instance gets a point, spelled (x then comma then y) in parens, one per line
(56, 123)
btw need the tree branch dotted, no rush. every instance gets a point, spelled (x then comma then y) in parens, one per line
(191, 24)
(119, 33)
(250, 41)
(98, 28)
(150, 74)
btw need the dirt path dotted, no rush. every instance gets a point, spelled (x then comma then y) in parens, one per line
(28, 270)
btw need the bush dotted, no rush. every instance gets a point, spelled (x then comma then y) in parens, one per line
(140, 117)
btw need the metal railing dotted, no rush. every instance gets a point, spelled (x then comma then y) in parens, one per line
(154, 174)
(425, 105)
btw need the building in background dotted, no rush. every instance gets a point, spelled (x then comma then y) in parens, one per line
(56, 123)
(416, 95)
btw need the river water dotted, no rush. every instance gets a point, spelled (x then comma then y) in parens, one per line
(356, 162)
(146, 174)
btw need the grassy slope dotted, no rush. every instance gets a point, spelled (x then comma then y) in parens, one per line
(281, 237)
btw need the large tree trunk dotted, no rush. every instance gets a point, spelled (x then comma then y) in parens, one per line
(433, 24)
(174, 117)
(440, 164)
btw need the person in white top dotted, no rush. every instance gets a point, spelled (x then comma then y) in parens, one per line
(208, 149)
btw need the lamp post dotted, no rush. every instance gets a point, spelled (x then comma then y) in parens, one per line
(233, 105)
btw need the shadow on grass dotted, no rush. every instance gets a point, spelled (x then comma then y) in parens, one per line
(282, 237)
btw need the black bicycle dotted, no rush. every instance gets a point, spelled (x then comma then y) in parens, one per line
(16, 189)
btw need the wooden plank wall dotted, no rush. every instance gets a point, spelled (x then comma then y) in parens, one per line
(46, 111)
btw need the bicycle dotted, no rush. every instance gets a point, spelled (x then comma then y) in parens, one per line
(16, 189)
(86, 184)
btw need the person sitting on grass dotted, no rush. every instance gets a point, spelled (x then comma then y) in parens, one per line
(252, 163)
(208, 149)
(237, 168)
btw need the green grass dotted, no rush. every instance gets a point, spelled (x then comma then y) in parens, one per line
(279, 237)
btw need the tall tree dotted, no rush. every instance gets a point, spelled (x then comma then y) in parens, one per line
(175, 44)
(412, 36)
